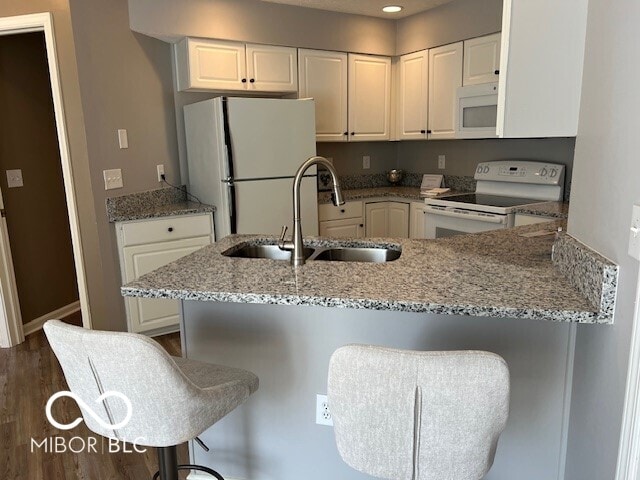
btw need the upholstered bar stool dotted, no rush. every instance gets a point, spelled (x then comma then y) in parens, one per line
(408, 415)
(172, 400)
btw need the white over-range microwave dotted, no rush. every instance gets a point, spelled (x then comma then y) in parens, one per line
(477, 111)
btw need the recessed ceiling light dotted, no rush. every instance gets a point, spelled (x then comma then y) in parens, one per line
(392, 9)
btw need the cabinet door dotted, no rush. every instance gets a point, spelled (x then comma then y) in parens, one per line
(481, 60)
(398, 220)
(323, 77)
(376, 219)
(412, 96)
(369, 97)
(211, 65)
(417, 220)
(147, 314)
(345, 228)
(445, 76)
(272, 69)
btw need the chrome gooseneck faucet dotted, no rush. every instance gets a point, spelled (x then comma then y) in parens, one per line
(295, 244)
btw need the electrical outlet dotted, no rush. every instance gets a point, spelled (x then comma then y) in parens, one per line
(160, 169)
(634, 234)
(123, 139)
(323, 414)
(366, 162)
(14, 178)
(112, 179)
(441, 162)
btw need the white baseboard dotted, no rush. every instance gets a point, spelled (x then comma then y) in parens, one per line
(35, 325)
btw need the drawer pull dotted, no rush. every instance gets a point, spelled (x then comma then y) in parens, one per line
(170, 229)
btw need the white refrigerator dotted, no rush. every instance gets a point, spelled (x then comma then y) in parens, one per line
(242, 155)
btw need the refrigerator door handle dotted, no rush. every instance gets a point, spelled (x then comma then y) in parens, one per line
(231, 198)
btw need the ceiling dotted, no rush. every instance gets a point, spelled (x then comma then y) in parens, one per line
(372, 8)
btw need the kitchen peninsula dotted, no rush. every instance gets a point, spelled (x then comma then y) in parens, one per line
(487, 291)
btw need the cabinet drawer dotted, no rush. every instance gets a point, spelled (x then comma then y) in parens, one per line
(166, 229)
(328, 211)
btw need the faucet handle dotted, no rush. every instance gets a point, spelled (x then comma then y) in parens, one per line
(282, 240)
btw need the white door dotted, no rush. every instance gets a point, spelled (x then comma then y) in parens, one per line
(345, 228)
(271, 68)
(376, 219)
(150, 314)
(11, 332)
(481, 60)
(417, 220)
(265, 206)
(398, 223)
(445, 76)
(270, 137)
(323, 77)
(412, 96)
(216, 65)
(369, 97)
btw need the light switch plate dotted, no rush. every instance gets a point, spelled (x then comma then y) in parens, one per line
(14, 178)
(634, 234)
(112, 179)
(442, 162)
(366, 162)
(123, 139)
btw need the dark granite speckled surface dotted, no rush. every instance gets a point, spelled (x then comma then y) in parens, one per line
(494, 274)
(162, 202)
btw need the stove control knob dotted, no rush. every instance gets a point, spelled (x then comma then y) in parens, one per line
(543, 172)
(479, 169)
(554, 173)
(486, 169)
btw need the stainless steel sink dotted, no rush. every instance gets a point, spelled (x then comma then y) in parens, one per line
(371, 255)
(339, 254)
(271, 252)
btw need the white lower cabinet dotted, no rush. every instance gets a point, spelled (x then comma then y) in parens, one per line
(417, 219)
(387, 219)
(149, 244)
(344, 221)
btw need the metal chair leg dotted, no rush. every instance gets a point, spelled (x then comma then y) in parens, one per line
(168, 465)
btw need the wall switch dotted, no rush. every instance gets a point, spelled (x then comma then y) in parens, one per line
(160, 169)
(112, 179)
(634, 234)
(123, 139)
(441, 162)
(14, 178)
(366, 162)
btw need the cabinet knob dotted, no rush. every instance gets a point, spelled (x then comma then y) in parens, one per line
(342, 210)
(252, 80)
(362, 225)
(423, 131)
(353, 133)
(428, 131)
(496, 72)
(346, 133)
(170, 229)
(244, 80)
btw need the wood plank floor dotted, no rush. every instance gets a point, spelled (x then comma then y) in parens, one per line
(29, 375)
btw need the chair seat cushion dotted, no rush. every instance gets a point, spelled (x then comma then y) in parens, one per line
(207, 375)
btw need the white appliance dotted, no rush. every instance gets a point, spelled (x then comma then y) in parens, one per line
(477, 111)
(242, 155)
(502, 186)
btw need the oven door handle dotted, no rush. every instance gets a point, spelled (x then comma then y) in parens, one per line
(466, 214)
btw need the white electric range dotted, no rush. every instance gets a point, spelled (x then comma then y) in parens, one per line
(502, 186)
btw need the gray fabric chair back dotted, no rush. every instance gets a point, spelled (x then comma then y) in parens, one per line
(167, 407)
(407, 415)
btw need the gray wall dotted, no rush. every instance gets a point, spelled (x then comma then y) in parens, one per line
(125, 82)
(347, 157)
(76, 138)
(262, 22)
(448, 23)
(605, 186)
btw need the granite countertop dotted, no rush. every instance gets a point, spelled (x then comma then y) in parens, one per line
(546, 209)
(410, 193)
(492, 274)
(157, 203)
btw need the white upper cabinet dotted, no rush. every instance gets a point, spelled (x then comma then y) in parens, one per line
(369, 97)
(445, 76)
(541, 63)
(412, 98)
(272, 69)
(323, 77)
(203, 65)
(481, 60)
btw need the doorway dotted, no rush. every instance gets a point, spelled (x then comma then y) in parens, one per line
(41, 222)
